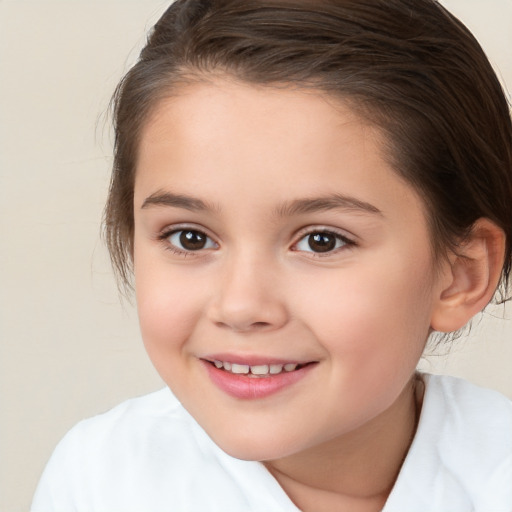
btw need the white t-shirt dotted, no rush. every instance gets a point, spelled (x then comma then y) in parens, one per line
(149, 455)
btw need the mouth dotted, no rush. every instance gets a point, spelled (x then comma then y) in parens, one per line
(255, 379)
(257, 370)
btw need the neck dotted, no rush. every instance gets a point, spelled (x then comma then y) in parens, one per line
(358, 470)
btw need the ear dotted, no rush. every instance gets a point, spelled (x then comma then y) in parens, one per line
(469, 278)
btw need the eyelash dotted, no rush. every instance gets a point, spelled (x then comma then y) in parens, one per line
(347, 243)
(165, 236)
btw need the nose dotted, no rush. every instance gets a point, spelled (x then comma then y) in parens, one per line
(248, 297)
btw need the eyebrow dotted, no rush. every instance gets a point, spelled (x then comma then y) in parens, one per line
(329, 202)
(288, 209)
(177, 201)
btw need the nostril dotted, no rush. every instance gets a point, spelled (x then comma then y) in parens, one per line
(241, 327)
(245, 316)
(260, 324)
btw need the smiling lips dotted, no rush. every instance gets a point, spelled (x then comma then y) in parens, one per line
(254, 381)
(260, 370)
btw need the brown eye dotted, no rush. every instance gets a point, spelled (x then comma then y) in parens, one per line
(321, 242)
(190, 240)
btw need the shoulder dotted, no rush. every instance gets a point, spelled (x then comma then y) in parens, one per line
(455, 386)
(131, 417)
(453, 395)
(115, 453)
(461, 456)
(468, 414)
(149, 454)
(130, 421)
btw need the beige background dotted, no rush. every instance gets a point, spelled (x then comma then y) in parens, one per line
(68, 348)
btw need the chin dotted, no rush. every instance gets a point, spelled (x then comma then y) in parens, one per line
(253, 454)
(243, 446)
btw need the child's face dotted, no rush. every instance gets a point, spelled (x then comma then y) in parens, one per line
(269, 229)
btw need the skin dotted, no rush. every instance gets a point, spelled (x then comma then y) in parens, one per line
(335, 440)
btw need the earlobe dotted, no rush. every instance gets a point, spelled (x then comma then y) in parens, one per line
(470, 277)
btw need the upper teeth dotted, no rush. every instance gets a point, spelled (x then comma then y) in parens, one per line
(260, 369)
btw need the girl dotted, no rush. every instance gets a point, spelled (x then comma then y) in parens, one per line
(305, 191)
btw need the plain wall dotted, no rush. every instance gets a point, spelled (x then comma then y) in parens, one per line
(69, 349)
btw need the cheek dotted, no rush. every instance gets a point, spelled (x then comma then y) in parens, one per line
(372, 311)
(168, 306)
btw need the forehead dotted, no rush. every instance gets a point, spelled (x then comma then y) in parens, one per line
(226, 104)
(224, 138)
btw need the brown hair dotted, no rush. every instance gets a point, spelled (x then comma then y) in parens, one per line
(408, 66)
